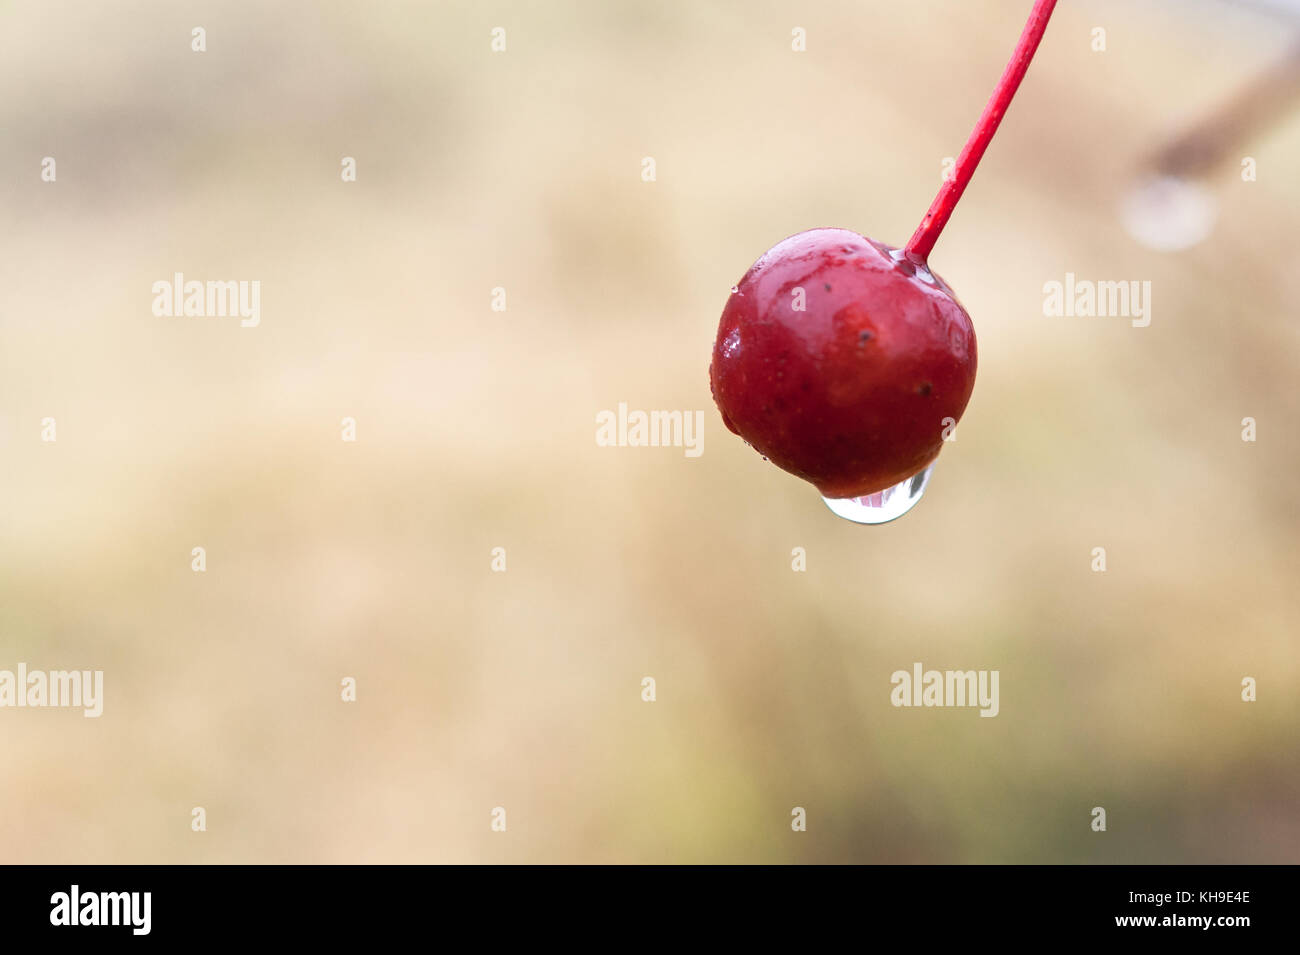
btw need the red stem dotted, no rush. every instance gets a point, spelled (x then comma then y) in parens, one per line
(927, 233)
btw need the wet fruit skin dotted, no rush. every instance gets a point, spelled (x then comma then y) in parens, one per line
(851, 393)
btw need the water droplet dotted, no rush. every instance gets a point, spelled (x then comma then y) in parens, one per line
(883, 506)
(1169, 214)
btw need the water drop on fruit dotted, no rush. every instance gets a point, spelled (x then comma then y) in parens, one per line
(882, 506)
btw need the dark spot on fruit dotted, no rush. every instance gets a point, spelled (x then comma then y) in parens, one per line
(923, 388)
(825, 286)
(863, 338)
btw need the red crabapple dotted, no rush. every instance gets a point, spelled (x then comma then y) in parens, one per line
(845, 361)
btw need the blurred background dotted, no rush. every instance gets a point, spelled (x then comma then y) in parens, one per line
(371, 559)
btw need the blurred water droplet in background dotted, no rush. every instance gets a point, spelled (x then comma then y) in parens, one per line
(1169, 213)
